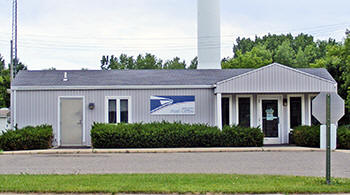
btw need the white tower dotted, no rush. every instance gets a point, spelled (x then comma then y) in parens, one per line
(209, 40)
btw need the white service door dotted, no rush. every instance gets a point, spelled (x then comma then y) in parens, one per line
(71, 123)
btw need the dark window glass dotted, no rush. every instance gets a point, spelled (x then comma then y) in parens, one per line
(295, 111)
(112, 111)
(244, 112)
(314, 121)
(270, 118)
(225, 109)
(124, 111)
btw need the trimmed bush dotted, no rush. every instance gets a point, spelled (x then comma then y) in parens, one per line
(343, 137)
(310, 136)
(307, 136)
(27, 138)
(242, 136)
(171, 135)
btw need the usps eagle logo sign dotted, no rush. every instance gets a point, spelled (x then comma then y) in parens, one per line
(172, 105)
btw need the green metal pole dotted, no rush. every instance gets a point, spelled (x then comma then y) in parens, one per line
(328, 139)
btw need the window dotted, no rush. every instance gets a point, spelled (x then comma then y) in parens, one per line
(225, 109)
(244, 108)
(314, 121)
(124, 111)
(118, 109)
(295, 112)
(112, 111)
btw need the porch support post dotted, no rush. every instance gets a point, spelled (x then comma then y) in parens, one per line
(218, 111)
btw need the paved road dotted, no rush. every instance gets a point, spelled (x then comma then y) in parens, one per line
(281, 163)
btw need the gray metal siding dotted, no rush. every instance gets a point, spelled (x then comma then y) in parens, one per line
(275, 79)
(41, 107)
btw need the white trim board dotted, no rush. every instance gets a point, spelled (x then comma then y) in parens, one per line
(59, 118)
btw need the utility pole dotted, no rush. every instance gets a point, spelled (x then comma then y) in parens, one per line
(14, 58)
(11, 63)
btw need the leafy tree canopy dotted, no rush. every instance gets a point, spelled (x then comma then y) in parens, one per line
(258, 56)
(337, 62)
(297, 51)
(5, 80)
(148, 61)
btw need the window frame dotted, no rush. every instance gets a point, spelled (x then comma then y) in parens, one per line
(251, 108)
(310, 97)
(118, 98)
(230, 108)
(302, 96)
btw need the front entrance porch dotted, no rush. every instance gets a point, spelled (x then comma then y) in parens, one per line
(275, 114)
(275, 98)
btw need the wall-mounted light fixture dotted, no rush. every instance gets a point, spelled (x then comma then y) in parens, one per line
(285, 102)
(91, 106)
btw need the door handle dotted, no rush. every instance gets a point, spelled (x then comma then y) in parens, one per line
(79, 122)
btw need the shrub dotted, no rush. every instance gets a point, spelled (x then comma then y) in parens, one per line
(343, 137)
(307, 136)
(242, 136)
(27, 138)
(165, 135)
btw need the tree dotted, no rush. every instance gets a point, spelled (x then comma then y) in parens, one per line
(337, 62)
(257, 57)
(285, 54)
(2, 63)
(301, 60)
(175, 63)
(18, 66)
(149, 61)
(5, 80)
(4, 85)
(273, 43)
(194, 63)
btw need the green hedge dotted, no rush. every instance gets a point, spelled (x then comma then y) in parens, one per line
(310, 136)
(343, 137)
(171, 135)
(307, 136)
(27, 138)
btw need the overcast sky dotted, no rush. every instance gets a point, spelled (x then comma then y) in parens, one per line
(74, 34)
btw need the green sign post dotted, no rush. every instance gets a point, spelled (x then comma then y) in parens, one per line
(328, 108)
(328, 139)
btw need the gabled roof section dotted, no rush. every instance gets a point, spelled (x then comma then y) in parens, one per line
(319, 73)
(277, 78)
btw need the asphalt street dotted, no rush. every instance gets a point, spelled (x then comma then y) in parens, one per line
(276, 163)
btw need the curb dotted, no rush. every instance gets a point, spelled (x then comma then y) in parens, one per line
(164, 150)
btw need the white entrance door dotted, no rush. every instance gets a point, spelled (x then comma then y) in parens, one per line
(71, 121)
(269, 117)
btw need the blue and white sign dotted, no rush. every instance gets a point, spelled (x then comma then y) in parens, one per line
(172, 105)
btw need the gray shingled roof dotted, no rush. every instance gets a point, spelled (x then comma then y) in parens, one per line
(136, 77)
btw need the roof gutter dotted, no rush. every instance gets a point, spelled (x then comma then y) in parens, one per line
(46, 88)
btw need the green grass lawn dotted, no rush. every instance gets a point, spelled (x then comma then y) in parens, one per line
(170, 183)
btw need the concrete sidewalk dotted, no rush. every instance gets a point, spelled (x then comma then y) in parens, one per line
(167, 150)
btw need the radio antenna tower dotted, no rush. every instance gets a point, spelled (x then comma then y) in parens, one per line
(14, 58)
